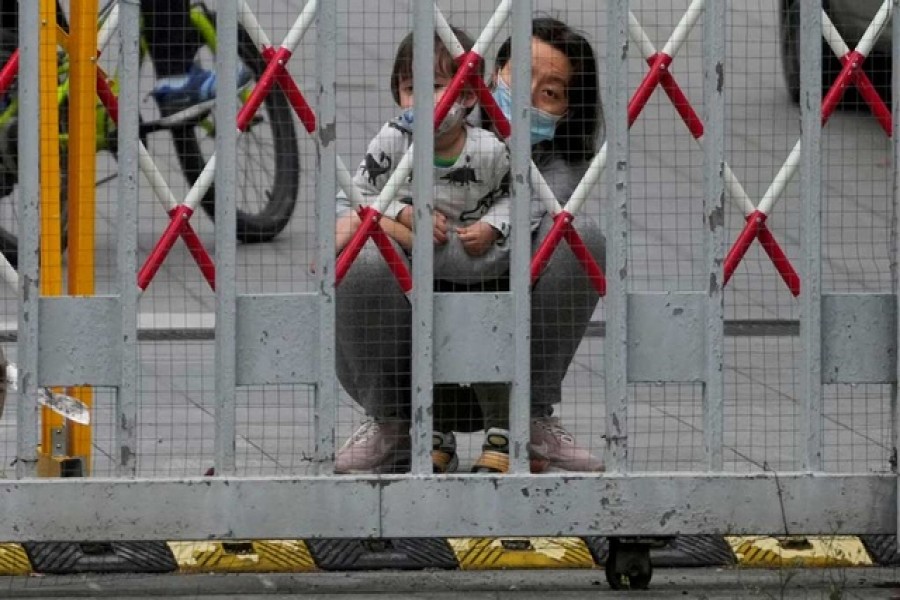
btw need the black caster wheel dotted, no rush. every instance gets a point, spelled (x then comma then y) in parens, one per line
(628, 565)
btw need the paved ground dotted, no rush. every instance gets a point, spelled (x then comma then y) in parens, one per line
(177, 376)
(705, 584)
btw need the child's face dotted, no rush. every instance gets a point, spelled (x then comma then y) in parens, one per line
(405, 89)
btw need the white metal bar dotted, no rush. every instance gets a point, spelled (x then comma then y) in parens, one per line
(298, 29)
(590, 179)
(109, 27)
(639, 36)
(301, 25)
(873, 31)
(784, 176)
(493, 27)
(832, 37)
(400, 174)
(735, 190)
(202, 185)
(252, 26)
(541, 189)
(446, 34)
(684, 27)
(158, 183)
(345, 181)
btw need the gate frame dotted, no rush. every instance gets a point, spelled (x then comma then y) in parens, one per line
(423, 505)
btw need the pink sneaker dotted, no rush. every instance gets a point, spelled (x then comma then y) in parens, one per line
(375, 448)
(552, 443)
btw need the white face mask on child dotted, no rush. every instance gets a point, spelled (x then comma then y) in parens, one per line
(455, 116)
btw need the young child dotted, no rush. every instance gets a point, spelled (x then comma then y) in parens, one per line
(471, 201)
(471, 221)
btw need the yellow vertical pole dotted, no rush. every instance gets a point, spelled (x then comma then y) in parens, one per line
(51, 238)
(82, 171)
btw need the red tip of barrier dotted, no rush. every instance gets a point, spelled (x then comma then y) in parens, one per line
(468, 64)
(742, 244)
(9, 72)
(369, 219)
(180, 216)
(548, 246)
(562, 228)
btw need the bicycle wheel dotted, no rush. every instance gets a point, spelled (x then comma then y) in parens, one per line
(268, 159)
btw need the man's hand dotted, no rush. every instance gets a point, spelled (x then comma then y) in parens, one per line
(405, 217)
(477, 238)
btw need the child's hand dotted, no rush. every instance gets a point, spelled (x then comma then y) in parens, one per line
(405, 217)
(477, 238)
(440, 228)
(344, 229)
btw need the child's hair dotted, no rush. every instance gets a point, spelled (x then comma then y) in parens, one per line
(444, 65)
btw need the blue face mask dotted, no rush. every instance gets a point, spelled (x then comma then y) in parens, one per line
(543, 124)
(455, 116)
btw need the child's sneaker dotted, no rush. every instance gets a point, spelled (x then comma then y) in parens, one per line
(443, 452)
(197, 86)
(494, 452)
(375, 448)
(556, 447)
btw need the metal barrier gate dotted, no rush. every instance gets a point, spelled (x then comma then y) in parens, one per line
(653, 337)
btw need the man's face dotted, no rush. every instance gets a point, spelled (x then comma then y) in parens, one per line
(551, 72)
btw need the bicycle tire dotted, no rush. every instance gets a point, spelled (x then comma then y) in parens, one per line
(276, 198)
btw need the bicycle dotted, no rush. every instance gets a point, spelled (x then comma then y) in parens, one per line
(266, 198)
